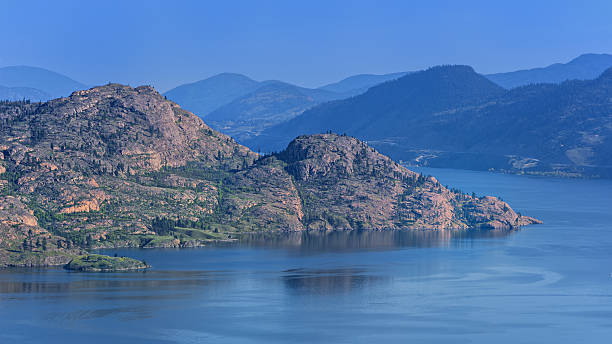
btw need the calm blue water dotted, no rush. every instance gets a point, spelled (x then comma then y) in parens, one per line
(550, 283)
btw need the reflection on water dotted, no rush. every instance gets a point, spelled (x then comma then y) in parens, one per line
(547, 283)
(139, 285)
(131, 312)
(44, 282)
(330, 281)
(334, 241)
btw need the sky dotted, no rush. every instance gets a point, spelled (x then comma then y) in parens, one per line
(309, 43)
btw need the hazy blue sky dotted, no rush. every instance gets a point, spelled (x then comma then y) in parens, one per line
(310, 42)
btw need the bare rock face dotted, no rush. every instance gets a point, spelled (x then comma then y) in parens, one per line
(118, 166)
(23, 242)
(344, 183)
(123, 128)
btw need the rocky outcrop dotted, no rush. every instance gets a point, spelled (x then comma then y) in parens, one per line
(83, 206)
(343, 183)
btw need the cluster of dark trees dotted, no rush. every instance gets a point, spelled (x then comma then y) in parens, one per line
(29, 244)
(167, 226)
(16, 102)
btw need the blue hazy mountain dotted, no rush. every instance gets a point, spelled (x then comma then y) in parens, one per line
(583, 67)
(241, 107)
(21, 93)
(230, 91)
(272, 103)
(204, 96)
(54, 84)
(357, 84)
(450, 116)
(386, 108)
(271, 97)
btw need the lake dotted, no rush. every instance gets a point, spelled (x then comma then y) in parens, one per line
(544, 283)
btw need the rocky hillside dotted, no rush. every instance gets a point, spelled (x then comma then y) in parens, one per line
(24, 243)
(344, 183)
(116, 166)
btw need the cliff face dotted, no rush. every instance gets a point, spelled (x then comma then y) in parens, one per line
(120, 166)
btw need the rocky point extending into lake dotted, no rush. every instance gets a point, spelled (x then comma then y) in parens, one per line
(116, 166)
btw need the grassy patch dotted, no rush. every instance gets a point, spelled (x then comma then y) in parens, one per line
(102, 263)
(200, 233)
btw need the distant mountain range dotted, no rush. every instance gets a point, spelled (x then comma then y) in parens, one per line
(204, 96)
(406, 115)
(385, 110)
(584, 67)
(271, 103)
(37, 84)
(360, 83)
(450, 116)
(21, 93)
(242, 107)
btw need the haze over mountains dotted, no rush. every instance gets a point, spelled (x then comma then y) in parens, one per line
(272, 103)
(583, 67)
(245, 109)
(360, 83)
(204, 96)
(36, 84)
(450, 116)
(242, 107)
(398, 111)
(21, 93)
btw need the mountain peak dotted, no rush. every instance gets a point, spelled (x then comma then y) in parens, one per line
(309, 156)
(204, 96)
(229, 76)
(24, 68)
(135, 127)
(591, 58)
(456, 85)
(357, 84)
(460, 74)
(118, 86)
(451, 69)
(390, 108)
